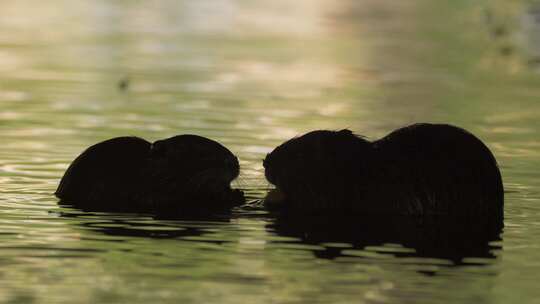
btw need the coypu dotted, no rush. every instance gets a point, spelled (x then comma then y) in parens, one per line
(422, 169)
(181, 175)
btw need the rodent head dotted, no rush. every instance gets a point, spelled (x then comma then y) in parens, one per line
(190, 161)
(305, 165)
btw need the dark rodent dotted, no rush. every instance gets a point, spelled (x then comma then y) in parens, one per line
(181, 175)
(422, 169)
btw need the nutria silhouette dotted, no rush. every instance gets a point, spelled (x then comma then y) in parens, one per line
(422, 169)
(181, 175)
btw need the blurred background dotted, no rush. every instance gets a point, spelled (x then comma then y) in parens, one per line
(252, 74)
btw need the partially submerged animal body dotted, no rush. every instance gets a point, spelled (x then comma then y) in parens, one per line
(181, 175)
(422, 169)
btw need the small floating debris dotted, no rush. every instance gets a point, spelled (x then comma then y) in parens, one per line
(123, 84)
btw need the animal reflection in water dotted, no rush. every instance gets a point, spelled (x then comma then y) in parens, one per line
(126, 225)
(449, 238)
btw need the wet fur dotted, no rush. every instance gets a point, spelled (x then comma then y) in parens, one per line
(185, 174)
(422, 169)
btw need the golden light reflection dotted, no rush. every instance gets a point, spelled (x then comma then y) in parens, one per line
(249, 74)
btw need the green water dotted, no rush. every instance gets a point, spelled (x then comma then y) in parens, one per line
(252, 74)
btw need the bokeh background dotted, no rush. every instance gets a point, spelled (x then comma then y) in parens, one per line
(251, 74)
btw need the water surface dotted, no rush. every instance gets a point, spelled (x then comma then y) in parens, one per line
(252, 74)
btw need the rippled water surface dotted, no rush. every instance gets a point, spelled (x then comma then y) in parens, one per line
(252, 74)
